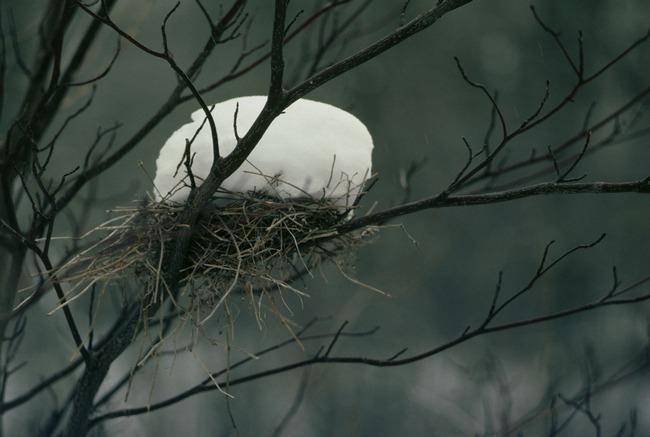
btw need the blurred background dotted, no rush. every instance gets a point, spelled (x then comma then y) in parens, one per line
(441, 272)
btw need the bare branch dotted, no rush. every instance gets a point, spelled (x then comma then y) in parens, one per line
(416, 25)
(484, 90)
(321, 359)
(445, 201)
(295, 405)
(101, 75)
(276, 90)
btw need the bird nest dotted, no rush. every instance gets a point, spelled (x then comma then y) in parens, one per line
(252, 246)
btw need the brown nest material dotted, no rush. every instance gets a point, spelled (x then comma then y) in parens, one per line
(253, 245)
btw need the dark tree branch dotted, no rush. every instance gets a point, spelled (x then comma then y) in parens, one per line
(564, 146)
(631, 369)
(237, 72)
(295, 405)
(43, 385)
(101, 75)
(416, 25)
(467, 335)
(276, 89)
(165, 55)
(445, 201)
(43, 256)
(531, 123)
(492, 99)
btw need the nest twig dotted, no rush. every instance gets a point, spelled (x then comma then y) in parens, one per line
(250, 244)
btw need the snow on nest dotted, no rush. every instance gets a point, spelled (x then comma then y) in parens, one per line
(311, 150)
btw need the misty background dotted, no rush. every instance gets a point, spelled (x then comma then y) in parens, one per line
(416, 106)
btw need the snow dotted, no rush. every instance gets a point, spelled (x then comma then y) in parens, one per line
(312, 149)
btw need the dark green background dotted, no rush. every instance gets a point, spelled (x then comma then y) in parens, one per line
(416, 106)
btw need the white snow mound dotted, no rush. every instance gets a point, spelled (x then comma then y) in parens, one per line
(311, 150)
